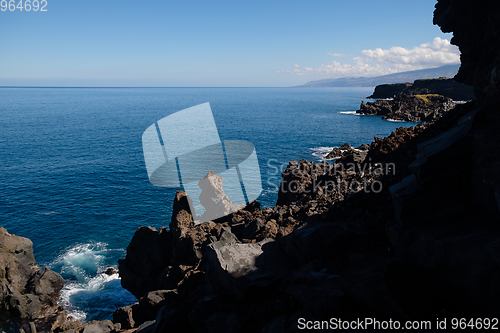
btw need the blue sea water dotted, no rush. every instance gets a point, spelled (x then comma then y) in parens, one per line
(73, 178)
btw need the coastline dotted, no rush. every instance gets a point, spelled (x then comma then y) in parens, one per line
(317, 240)
(404, 233)
(174, 272)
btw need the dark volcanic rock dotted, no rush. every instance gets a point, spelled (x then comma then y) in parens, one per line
(347, 154)
(45, 282)
(477, 40)
(416, 108)
(389, 90)
(146, 259)
(134, 315)
(104, 326)
(234, 267)
(160, 259)
(442, 86)
(447, 210)
(28, 294)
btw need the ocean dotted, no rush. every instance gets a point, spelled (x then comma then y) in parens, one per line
(74, 181)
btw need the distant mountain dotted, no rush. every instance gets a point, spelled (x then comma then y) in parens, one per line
(444, 71)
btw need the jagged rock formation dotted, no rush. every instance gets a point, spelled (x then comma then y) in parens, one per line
(441, 86)
(28, 293)
(345, 152)
(245, 256)
(416, 108)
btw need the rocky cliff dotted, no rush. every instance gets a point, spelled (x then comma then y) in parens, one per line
(410, 231)
(476, 32)
(28, 293)
(441, 86)
(417, 108)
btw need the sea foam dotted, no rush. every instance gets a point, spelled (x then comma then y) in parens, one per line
(320, 152)
(88, 292)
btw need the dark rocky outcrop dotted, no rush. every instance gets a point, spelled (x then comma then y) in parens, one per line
(28, 293)
(476, 33)
(389, 90)
(254, 263)
(441, 86)
(416, 108)
(348, 154)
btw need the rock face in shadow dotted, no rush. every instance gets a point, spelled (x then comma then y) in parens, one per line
(447, 210)
(235, 267)
(416, 108)
(28, 293)
(442, 86)
(389, 90)
(476, 33)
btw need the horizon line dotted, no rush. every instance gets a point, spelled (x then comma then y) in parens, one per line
(81, 87)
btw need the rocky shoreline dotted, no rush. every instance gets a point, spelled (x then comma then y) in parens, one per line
(407, 231)
(417, 108)
(29, 293)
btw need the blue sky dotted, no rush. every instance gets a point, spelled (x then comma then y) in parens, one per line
(216, 43)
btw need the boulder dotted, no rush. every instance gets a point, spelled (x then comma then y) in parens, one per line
(364, 147)
(125, 316)
(104, 326)
(27, 292)
(111, 270)
(45, 282)
(251, 229)
(147, 256)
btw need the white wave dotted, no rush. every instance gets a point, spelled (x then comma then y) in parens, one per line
(350, 112)
(88, 292)
(321, 152)
(67, 291)
(81, 260)
(47, 213)
(396, 120)
(91, 287)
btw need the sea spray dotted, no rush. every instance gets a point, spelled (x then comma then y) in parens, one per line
(89, 292)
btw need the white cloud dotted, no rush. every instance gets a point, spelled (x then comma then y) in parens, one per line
(298, 66)
(336, 54)
(380, 62)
